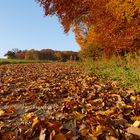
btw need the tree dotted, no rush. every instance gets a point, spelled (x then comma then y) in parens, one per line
(20, 54)
(69, 12)
(10, 55)
(31, 55)
(58, 56)
(93, 51)
(112, 23)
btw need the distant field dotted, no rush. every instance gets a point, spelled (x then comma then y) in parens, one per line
(12, 61)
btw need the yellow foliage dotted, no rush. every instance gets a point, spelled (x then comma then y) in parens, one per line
(124, 9)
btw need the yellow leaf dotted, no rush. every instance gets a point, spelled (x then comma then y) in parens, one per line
(52, 134)
(28, 116)
(67, 99)
(133, 98)
(35, 121)
(2, 113)
(99, 130)
(78, 115)
(127, 106)
(136, 123)
(1, 124)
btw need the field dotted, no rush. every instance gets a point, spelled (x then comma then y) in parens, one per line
(11, 61)
(58, 101)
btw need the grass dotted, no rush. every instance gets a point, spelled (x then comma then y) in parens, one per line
(14, 61)
(125, 72)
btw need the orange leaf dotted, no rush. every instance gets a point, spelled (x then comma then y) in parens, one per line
(60, 136)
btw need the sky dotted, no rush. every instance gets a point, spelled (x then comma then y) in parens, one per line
(24, 26)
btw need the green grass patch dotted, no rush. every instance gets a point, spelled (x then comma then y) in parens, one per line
(14, 61)
(125, 72)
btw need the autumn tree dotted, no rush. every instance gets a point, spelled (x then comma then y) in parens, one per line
(114, 24)
(112, 31)
(31, 55)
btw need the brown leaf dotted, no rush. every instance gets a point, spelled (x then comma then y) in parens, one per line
(134, 130)
(60, 136)
(10, 110)
(135, 118)
(69, 135)
(54, 126)
(99, 130)
(110, 138)
(23, 132)
(8, 135)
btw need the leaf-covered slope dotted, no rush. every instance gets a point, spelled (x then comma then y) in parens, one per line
(58, 101)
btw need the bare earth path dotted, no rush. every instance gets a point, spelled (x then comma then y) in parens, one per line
(58, 101)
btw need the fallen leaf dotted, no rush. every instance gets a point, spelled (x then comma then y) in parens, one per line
(42, 134)
(134, 130)
(78, 116)
(28, 116)
(69, 135)
(10, 111)
(1, 124)
(60, 136)
(35, 121)
(52, 134)
(2, 113)
(134, 118)
(136, 123)
(110, 138)
(133, 98)
(99, 130)
(8, 135)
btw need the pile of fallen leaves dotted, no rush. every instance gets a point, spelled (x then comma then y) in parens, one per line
(56, 101)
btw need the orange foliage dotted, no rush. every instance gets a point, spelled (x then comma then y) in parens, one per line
(115, 24)
(84, 36)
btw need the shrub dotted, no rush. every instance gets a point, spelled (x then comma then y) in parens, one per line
(92, 51)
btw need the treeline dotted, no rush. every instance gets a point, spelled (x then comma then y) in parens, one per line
(44, 54)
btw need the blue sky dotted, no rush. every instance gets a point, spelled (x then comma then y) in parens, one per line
(23, 26)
